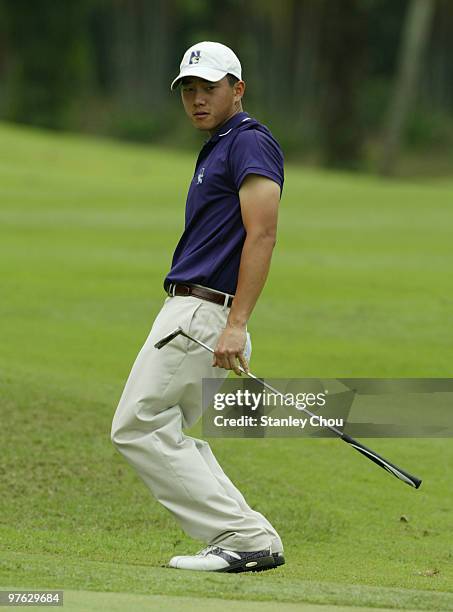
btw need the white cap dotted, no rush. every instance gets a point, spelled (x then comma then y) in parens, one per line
(208, 60)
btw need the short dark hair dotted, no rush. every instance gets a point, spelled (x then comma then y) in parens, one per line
(232, 80)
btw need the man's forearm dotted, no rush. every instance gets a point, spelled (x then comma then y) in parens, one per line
(253, 269)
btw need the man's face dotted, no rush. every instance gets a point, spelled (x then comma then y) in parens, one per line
(209, 104)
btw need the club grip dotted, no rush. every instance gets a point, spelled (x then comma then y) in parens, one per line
(413, 481)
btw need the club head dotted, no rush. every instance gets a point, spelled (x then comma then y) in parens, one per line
(168, 338)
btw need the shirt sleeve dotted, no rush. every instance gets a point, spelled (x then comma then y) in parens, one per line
(255, 152)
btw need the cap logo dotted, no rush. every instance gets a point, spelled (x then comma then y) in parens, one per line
(194, 57)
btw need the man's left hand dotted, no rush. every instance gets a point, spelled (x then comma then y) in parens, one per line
(229, 351)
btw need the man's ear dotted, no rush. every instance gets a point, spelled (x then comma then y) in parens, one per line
(239, 90)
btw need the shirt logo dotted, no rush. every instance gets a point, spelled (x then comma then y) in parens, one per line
(200, 176)
(194, 57)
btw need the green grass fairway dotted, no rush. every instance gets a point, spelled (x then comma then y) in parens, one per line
(94, 601)
(361, 285)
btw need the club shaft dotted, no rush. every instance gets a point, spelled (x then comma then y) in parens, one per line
(413, 481)
(338, 432)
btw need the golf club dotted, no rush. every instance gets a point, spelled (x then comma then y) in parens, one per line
(413, 481)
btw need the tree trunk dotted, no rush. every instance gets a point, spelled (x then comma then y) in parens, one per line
(414, 38)
(342, 63)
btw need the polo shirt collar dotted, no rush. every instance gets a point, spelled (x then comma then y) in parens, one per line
(229, 125)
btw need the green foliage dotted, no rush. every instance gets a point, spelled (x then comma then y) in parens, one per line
(49, 59)
(429, 129)
(137, 126)
(320, 73)
(374, 97)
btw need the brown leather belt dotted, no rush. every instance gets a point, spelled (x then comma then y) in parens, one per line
(200, 292)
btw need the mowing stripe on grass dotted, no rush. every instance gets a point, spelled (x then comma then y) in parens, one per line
(92, 601)
(45, 571)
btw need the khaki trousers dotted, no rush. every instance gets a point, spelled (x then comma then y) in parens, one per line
(161, 397)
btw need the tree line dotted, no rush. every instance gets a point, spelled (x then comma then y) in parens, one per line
(330, 77)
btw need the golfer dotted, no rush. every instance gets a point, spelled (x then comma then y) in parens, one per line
(218, 270)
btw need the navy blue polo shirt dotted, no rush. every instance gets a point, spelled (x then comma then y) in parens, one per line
(209, 251)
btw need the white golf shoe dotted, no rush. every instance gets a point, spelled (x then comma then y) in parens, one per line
(216, 559)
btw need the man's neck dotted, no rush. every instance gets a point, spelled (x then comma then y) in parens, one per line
(217, 128)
